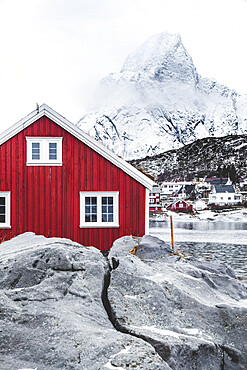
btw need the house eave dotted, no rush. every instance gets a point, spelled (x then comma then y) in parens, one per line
(45, 110)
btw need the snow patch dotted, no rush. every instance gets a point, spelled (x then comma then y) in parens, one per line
(108, 365)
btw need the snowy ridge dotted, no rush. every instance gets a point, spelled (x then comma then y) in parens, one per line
(159, 102)
(205, 157)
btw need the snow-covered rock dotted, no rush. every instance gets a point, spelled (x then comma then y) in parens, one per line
(158, 102)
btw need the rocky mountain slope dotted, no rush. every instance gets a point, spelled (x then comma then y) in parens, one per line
(158, 102)
(64, 306)
(205, 157)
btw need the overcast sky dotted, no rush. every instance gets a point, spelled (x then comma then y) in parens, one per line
(55, 51)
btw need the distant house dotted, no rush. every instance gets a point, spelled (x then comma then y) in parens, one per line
(154, 199)
(199, 205)
(170, 187)
(222, 195)
(56, 180)
(180, 206)
(187, 192)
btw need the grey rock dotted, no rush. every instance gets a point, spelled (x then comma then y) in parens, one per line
(65, 306)
(193, 313)
(51, 310)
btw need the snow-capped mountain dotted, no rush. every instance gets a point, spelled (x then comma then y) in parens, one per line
(158, 102)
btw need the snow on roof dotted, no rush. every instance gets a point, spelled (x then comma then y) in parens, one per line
(45, 110)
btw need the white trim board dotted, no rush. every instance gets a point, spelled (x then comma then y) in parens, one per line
(45, 110)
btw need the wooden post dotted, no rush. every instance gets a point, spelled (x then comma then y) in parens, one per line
(172, 232)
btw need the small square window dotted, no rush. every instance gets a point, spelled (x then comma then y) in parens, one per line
(44, 151)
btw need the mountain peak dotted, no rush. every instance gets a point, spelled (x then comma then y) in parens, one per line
(159, 102)
(162, 57)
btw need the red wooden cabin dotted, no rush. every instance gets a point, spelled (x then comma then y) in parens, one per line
(56, 180)
(180, 206)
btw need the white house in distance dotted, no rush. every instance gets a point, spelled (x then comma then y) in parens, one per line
(222, 195)
(170, 187)
(199, 205)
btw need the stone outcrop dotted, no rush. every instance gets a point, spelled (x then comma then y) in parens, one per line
(51, 311)
(65, 306)
(193, 313)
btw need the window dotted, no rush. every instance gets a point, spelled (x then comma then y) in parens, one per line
(99, 209)
(52, 151)
(44, 151)
(35, 151)
(4, 210)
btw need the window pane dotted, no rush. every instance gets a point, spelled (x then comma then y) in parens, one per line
(35, 150)
(2, 218)
(2, 201)
(107, 209)
(52, 151)
(110, 217)
(94, 218)
(104, 209)
(104, 218)
(93, 200)
(2, 210)
(90, 209)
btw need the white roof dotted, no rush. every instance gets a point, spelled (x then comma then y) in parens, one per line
(45, 110)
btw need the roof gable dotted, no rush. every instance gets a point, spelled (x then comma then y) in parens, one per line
(45, 110)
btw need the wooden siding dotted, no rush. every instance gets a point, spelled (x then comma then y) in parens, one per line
(45, 199)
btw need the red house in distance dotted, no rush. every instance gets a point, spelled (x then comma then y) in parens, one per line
(56, 180)
(180, 206)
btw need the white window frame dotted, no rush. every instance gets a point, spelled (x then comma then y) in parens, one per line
(99, 195)
(6, 224)
(44, 151)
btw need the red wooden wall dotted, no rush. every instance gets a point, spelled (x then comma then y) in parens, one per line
(45, 199)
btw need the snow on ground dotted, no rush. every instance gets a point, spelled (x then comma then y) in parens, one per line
(108, 365)
(239, 215)
(164, 332)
